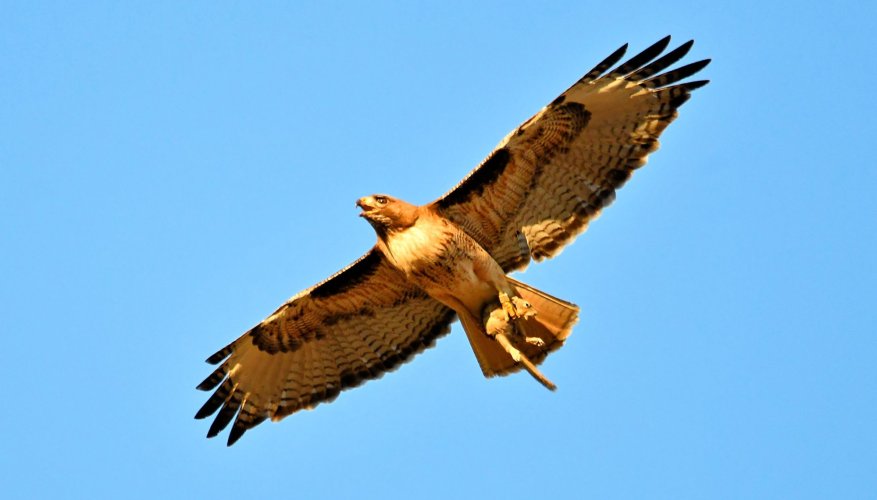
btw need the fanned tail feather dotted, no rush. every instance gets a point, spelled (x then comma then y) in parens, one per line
(552, 324)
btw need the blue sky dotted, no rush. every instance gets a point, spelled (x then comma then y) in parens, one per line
(171, 173)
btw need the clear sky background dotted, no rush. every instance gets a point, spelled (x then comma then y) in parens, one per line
(172, 172)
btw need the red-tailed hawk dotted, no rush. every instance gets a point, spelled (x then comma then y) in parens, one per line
(449, 259)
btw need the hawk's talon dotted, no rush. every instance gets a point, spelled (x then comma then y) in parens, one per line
(507, 306)
(516, 307)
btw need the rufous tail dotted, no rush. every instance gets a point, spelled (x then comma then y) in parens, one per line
(551, 325)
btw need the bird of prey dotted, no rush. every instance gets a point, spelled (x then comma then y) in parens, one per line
(449, 259)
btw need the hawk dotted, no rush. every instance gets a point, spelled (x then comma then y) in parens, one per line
(450, 259)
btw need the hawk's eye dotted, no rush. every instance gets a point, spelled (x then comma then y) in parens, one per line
(381, 200)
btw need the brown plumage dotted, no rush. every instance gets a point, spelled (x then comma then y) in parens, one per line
(533, 194)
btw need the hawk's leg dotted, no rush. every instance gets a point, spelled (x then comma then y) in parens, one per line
(487, 270)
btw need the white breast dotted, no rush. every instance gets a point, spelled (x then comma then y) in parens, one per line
(417, 239)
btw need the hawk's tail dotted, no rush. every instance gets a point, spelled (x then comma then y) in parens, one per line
(552, 324)
(553, 321)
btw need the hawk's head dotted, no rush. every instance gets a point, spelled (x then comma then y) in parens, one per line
(386, 213)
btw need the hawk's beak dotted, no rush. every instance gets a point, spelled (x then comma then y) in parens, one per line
(363, 204)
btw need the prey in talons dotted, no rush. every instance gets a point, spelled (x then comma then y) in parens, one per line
(501, 323)
(516, 307)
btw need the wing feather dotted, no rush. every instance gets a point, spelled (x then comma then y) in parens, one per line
(641, 59)
(604, 65)
(550, 177)
(355, 326)
(677, 74)
(662, 62)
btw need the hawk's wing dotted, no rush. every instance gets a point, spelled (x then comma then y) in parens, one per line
(552, 175)
(363, 321)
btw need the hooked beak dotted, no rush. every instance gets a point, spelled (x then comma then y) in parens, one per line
(362, 203)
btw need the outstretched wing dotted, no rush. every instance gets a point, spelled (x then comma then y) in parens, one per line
(363, 321)
(552, 175)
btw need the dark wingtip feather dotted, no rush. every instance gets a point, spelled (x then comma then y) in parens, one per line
(236, 432)
(212, 380)
(662, 62)
(682, 92)
(220, 354)
(677, 74)
(695, 84)
(605, 64)
(642, 58)
(216, 399)
(685, 47)
(208, 408)
(223, 417)
(243, 425)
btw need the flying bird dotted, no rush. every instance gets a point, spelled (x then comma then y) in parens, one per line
(539, 188)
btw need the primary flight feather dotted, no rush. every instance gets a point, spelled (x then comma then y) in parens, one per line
(449, 259)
